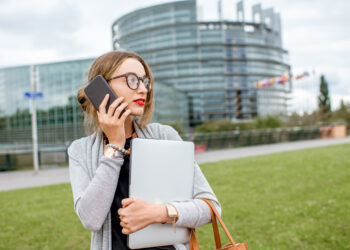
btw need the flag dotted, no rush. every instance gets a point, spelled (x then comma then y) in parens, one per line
(272, 81)
(279, 80)
(298, 77)
(264, 82)
(284, 78)
(306, 73)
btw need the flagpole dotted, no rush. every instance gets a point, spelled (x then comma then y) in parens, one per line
(34, 78)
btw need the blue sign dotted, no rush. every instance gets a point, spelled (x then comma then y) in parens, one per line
(33, 95)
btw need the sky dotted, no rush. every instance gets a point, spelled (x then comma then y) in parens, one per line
(315, 33)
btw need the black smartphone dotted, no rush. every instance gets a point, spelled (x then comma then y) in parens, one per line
(97, 89)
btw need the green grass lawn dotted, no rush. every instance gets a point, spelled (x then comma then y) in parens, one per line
(293, 200)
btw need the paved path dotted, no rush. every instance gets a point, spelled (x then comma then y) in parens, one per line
(27, 178)
(56, 175)
(225, 154)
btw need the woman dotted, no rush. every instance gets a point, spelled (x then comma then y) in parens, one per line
(99, 174)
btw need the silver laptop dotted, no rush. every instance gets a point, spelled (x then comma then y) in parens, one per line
(160, 171)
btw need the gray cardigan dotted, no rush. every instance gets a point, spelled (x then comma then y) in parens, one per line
(94, 179)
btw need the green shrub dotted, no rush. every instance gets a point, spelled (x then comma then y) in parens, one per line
(269, 121)
(177, 126)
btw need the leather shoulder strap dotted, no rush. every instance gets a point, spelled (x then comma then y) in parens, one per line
(217, 215)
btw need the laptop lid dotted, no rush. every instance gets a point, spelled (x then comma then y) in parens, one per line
(160, 171)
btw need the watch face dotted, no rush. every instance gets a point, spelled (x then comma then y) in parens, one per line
(171, 211)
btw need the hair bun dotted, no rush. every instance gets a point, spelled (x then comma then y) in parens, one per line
(82, 100)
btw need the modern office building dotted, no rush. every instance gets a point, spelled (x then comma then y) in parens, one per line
(59, 116)
(217, 63)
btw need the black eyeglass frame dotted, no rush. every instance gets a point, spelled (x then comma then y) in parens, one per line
(148, 87)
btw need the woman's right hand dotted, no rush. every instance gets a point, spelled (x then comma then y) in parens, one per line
(111, 125)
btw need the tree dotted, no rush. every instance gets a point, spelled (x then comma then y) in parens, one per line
(342, 114)
(342, 106)
(324, 103)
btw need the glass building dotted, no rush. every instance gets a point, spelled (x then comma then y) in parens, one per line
(59, 116)
(216, 63)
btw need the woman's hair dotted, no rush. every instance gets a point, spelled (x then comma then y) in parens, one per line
(105, 65)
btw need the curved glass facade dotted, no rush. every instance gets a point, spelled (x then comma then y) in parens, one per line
(215, 63)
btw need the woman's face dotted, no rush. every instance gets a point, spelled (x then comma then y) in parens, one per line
(136, 99)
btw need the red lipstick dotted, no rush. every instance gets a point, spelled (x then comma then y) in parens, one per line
(140, 101)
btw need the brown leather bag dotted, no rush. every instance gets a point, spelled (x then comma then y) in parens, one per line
(214, 214)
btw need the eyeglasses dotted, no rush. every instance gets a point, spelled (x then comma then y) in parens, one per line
(133, 80)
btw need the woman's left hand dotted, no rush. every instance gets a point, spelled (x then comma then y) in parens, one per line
(137, 214)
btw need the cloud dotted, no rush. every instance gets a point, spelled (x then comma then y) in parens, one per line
(37, 17)
(36, 31)
(33, 29)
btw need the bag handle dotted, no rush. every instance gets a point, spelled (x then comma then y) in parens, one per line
(211, 205)
(214, 214)
(193, 240)
(215, 227)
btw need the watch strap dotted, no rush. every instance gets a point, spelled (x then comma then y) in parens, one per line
(172, 213)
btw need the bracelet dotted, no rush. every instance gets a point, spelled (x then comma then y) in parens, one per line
(116, 147)
(111, 152)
